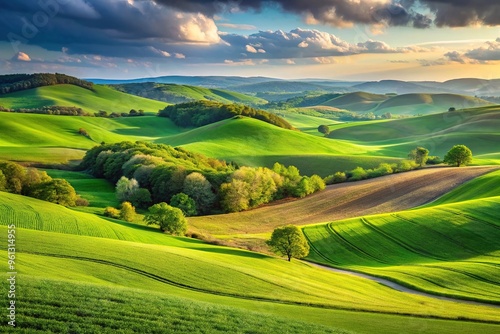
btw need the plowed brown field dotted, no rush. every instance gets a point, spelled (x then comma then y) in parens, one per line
(384, 194)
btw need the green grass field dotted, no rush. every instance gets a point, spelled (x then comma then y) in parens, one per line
(81, 272)
(102, 98)
(449, 247)
(476, 128)
(173, 93)
(185, 268)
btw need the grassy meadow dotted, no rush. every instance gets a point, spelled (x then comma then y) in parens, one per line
(111, 254)
(81, 272)
(449, 247)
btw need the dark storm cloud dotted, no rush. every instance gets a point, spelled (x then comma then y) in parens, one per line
(94, 26)
(453, 13)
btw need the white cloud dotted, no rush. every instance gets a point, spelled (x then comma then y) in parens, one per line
(237, 26)
(179, 56)
(21, 56)
(250, 49)
(325, 60)
(488, 52)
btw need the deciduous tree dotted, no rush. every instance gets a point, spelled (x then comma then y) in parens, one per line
(185, 203)
(127, 211)
(458, 155)
(170, 219)
(289, 241)
(419, 155)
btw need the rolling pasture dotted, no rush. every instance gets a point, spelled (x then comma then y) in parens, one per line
(100, 98)
(476, 128)
(449, 247)
(182, 271)
(172, 93)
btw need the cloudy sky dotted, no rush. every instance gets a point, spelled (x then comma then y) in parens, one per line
(335, 39)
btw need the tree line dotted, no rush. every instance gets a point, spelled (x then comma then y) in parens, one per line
(31, 182)
(199, 113)
(16, 82)
(458, 155)
(146, 174)
(71, 111)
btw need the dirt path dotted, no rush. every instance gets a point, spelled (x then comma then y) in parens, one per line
(380, 195)
(399, 287)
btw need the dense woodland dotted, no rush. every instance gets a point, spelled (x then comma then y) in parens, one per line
(17, 82)
(205, 112)
(147, 173)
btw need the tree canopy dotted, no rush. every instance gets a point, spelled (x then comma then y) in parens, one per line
(419, 155)
(289, 241)
(170, 219)
(15, 82)
(324, 129)
(201, 113)
(458, 155)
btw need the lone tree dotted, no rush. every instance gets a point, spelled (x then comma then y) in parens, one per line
(458, 155)
(170, 219)
(324, 129)
(290, 241)
(419, 155)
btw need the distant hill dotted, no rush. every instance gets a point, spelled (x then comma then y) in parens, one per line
(174, 93)
(392, 86)
(204, 81)
(476, 128)
(279, 87)
(18, 82)
(99, 98)
(359, 101)
(405, 104)
(411, 104)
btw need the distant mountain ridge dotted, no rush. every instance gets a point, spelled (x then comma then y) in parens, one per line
(260, 86)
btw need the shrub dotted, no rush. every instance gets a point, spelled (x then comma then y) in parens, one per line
(357, 174)
(127, 212)
(81, 202)
(112, 212)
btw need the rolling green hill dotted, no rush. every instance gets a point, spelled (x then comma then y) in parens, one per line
(476, 128)
(173, 93)
(422, 104)
(55, 254)
(359, 101)
(448, 249)
(101, 98)
(55, 139)
(405, 104)
(254, 143)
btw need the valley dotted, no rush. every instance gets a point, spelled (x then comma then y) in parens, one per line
(430, 228)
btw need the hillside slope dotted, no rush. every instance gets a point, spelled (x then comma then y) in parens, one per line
(476, 128)
(173, 93)
(449, 249)
(100, 98)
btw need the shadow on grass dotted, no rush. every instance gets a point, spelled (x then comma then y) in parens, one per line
(232, 251)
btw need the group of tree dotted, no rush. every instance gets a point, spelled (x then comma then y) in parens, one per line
(199, 113)
(359, 173)
(71, 111)
(147, 173)
(131, 113)
(16, 82)
(250, 187)
(16, 179)
(50, 110)
(125, 212)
